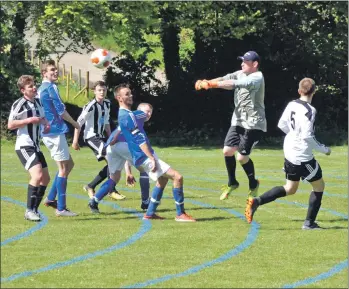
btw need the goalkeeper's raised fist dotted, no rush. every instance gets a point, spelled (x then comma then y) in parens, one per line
(205, 84)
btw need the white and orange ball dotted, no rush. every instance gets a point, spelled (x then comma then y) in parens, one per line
(100, 58)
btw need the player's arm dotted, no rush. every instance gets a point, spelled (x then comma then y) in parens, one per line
(85, 114)
(107, 123)
(283, 121)
(307, 129)
(60, 107)
(130, 179)
(15, 120)
(224, 81)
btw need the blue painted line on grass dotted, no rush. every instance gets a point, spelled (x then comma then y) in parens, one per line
(251, 237)
(27, 233)
(334, 270)
(146, 226)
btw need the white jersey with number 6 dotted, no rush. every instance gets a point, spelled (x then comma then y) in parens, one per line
(297, 121)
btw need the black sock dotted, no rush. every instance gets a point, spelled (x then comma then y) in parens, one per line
(230, 163)
(249, 170)
(314, 206)
(271, 195)
(32, 196)
(41, 193)
(102, 175)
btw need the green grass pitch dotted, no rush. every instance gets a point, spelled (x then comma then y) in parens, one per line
(117, 249)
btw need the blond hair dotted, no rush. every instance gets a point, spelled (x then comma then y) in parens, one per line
(144, 104)
(307, 86)
(25, 80)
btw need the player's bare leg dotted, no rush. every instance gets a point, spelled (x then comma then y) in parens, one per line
(230, 162)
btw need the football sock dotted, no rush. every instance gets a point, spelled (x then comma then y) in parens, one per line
(41, 193)
(61, 190)
(31, 197)
(144, 183)
(249, 170)
(154, 200)
(102, 175)
(271, 195)
(107, 187)
(230, 163)
(53, 191)
(314, 206)
(179, 200)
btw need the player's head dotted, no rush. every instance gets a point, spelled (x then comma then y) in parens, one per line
(147, 108)
(100, 90)
(250, 62)
(122, 93)
(306, 87)
(27, 86)
(49, 70)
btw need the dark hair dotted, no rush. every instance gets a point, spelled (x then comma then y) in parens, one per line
(47, 63)
(307, 86)
(100, 83)
(119, 87)
(25, 80)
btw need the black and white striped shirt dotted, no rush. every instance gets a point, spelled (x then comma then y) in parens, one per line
(28, 135)
(95, 116)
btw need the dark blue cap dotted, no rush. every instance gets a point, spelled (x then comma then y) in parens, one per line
(250, 56)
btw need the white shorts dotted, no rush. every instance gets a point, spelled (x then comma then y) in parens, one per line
(58, 147)
(117, 155)
(162, 168)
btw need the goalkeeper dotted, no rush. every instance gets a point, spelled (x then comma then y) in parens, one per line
(248, 121)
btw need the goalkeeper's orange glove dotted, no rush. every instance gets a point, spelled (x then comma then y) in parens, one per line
(205, 84)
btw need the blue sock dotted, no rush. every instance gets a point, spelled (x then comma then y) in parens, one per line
(179, 199)
(144, 182)
(154, 200)
(107, 187)
(53, 191)
(61, 184)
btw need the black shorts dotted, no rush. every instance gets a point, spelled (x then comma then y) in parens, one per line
(30, 157)
(310, 171)
(96, 144)
(244, 139)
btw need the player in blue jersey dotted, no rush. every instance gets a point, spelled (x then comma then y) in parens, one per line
(144, 157)
(118, 157)
(54, 139)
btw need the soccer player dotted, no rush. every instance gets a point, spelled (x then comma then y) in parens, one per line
(248, 121)
(118, 156)
(144, 157)
(297, 121)
(26, 116)
(95, 115)
(54, 139)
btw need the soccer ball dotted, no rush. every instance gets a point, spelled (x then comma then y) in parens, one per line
(100, 58)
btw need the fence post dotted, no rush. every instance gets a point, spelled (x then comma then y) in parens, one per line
(71, 73)
(32, 56)
(87, 83)
(38, 62)
(67, 89)
(57, 65)
(63, 72)
(79, 79)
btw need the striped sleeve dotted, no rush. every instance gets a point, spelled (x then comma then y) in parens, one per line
(86, 112)
(16, 109)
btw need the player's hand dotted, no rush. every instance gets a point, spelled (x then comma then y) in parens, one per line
(153, 165)
(130, 181)
(202, 84)
(113, 142)
(47, 128)
(329, 152)
(75, 146)
(34, 120)
(46, 125)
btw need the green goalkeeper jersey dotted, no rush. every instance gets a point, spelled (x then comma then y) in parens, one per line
(249, 111)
